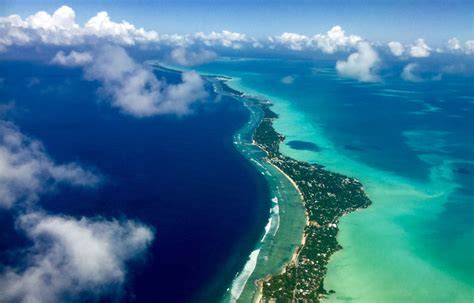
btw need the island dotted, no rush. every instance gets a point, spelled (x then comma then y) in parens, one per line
(327, 196)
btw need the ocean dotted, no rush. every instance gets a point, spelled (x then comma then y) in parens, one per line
(181, 175)
(410, 144)
(220, 214)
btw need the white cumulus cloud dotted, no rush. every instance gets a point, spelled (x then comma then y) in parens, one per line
(26, 171)
(135, 89)
(469, 47)
(334, 40)
(294, 41)
(185, 57)
(420, 49)
(70, 260)
(73, 258)
(360, 65)
(72, 59)
(61, 28)
(408, 73)
(396, 48)
(124, 32)
(456, 46)
(224, 38)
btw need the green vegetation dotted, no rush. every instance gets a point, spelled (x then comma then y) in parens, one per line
(326, 196)
(230, 90)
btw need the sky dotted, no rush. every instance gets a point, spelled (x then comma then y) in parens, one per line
(404, 20)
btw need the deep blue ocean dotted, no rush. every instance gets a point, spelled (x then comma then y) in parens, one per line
(180, 175)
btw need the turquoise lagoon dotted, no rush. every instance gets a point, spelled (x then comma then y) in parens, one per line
(411, 145)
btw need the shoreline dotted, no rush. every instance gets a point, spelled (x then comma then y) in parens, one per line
(320, 231)
(292, 284)
(399, 188)
(280, 247)
(287, 200)
(303, 239)
(325, 197)
(294, 256)
(355, 230)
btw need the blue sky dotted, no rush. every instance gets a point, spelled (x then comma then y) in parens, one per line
(404, 20)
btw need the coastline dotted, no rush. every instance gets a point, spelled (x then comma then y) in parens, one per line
(326, 197)
(284, 232)
(364, 246)
(278, 245)
(295, 254)
(354, 272)
(287, 282)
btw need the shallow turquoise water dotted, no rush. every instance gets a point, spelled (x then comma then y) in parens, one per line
(412, 146)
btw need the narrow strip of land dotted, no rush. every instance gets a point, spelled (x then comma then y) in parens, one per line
(326, 196)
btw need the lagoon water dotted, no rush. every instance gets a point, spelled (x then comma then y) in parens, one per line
(411, 145)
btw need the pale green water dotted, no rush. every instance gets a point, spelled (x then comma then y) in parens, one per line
(383, 259)
(392, 250)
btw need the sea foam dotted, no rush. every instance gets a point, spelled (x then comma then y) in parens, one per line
(242, 278)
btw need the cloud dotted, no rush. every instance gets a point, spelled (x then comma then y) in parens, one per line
(408, 73)
(288, 80)
(417, 50)
(70, 259)
(185, 57)
(73, 59)
(73, 259)
(224, 38)
(469, 47)
(124, 32)
(135, 89)
(456, 46)
(294, 41)
(420, 49)
(334, 40)
(61, 28)
(360, 65)
(396, 48)
(26, 171)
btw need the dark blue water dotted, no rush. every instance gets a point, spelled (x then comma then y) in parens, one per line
(180, 175)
